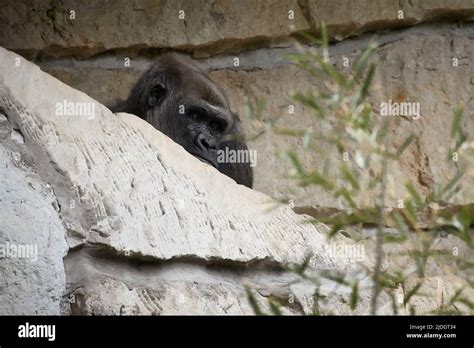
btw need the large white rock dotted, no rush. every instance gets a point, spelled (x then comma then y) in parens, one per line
(153, 230)
(32, 243)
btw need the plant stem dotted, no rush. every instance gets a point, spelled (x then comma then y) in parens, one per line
(379, 239)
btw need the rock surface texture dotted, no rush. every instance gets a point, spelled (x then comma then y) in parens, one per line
(113, 187)
(209, 27)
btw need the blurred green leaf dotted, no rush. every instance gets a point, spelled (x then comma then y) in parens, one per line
(291, 155)
(317, 179)
(410, 213)
(344, 193)
(366, 85)
(404, 145)
(354, 296)
(300, 269)
(465, 217)
(324, 34)
(415, 196)
(332, 72)
(311, 102)
(348, 175)
(335, 277)
(450, 185)
(412, 292)
(253, 302)
(361, 62)
(310, 38)
(275, 309)
(393, 300)
(289, 131)
(457, 133)
(363, 121)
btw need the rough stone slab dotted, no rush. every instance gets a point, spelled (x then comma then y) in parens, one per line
(115, 184)
(33, 281)
(122, 184)
(103, 25)
(438, 291)
(100, 285)
(348, 19)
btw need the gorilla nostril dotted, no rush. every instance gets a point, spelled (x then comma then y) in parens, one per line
(204, 144)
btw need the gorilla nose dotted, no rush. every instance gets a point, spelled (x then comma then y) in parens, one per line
(204, 143)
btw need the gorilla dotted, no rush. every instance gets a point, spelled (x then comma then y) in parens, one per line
(176, 96)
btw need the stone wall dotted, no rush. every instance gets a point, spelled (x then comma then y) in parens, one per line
(415, 62)
(143, 231)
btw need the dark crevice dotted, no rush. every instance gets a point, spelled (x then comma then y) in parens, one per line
(137, 259)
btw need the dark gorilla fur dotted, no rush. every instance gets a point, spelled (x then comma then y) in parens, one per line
(207, 124)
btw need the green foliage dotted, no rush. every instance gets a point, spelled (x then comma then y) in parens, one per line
(362, 139)
(354, 295)
(253, 302)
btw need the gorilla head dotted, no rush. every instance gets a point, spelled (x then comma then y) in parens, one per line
(176, 97)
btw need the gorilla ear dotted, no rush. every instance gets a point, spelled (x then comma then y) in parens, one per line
(157, 93)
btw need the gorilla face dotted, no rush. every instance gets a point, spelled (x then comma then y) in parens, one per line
(186, 105)
(176, 96)
(204, 128)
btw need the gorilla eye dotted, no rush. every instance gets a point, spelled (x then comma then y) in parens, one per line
(157, 93)
(214, 125)
(195, 115)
